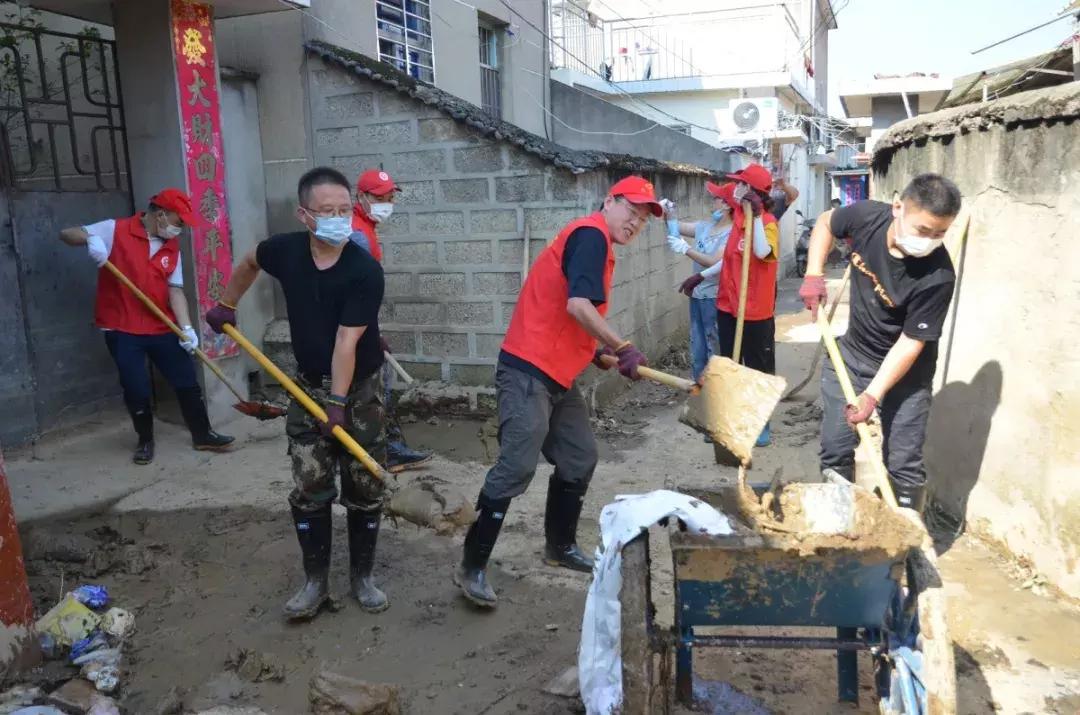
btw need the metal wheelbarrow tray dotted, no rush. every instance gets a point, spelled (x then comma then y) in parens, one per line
(864, 583)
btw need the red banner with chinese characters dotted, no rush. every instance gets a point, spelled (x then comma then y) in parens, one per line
(200, 115)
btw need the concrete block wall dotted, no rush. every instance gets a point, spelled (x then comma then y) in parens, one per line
(453, 249)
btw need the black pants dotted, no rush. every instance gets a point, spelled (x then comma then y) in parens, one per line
(904, 414)
(758, 345)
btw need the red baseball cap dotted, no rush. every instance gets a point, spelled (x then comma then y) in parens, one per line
(724, 191)
(177, 201)
(376, 182)
(637, 190)
(756, 175)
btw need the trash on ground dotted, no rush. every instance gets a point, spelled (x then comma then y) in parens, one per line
(77, 695)
(118, 623)
(95, 597)
(18, 696)
(68, 621)
(39, 710)
(565, 684)
(255, 667)
(94, 642)
(333, 694)
(103, 706)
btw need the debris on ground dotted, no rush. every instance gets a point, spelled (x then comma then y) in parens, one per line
(68, 622)
(95, 597)
(118, 623)
(565, 684)
(18, 696)
(255, 667)
(432, 503)
(333, 694)
(77, 695)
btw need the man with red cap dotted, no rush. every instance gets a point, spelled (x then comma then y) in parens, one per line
(146, 249)
(556, 330)
(375, 192)
(752, 184)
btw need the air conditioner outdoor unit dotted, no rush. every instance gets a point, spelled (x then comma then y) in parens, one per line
(751, 117)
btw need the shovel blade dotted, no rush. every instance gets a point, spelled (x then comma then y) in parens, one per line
(260, 410)
(733, 406)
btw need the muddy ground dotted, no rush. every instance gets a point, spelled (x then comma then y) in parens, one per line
(202, 549)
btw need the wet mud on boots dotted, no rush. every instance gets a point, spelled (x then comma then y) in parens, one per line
(363, 536)
(471, 575)
(314, 531)
(564, 502)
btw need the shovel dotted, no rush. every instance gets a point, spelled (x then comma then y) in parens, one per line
(258, 410)
(817, 351)
(867, 453)
(735, 402)
(422, 504)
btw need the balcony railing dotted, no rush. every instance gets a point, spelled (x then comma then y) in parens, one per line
(760, 39)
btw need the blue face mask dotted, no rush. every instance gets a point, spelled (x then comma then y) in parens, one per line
(719, 215)
(334, 230)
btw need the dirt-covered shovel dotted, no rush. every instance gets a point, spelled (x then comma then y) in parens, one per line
(429, 505)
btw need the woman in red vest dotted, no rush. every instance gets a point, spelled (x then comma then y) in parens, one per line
(553, 336)
(759, 332)
(375, 192)
(146, 249)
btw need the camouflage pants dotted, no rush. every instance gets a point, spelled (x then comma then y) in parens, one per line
(316, 459)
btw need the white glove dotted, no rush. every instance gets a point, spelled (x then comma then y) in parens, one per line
(741, 189)
(669, 207)
(96, 248)
(678, 245)
(190, 341)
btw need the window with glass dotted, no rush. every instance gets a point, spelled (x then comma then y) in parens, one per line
(404, 32)
(490, 86)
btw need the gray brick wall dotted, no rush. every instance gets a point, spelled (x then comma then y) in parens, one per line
(453, 249)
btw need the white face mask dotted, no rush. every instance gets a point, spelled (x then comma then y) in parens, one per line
(381, 211)
(169, 231)
(912, 245)
(334, 230)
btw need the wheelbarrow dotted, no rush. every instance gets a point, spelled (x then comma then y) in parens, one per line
(878, 593)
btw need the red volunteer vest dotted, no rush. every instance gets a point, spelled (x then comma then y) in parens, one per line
(761, 288)
(541, 331)
(360, 222)
(116, 307)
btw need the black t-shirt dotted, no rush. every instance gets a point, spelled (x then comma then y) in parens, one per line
(348, 294)
(583, 262)
(891, 296)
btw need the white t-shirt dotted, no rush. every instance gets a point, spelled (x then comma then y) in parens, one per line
(102, 233)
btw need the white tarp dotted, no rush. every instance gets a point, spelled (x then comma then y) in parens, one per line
(600, 653)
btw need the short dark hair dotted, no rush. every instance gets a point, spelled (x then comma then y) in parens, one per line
(933, 193)
(319, 176)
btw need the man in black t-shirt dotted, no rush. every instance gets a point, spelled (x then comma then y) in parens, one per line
(901, 284)
(333, 290)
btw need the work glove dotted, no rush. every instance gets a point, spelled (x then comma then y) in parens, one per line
(96, 248)
(678, 245)
(688, 285)
(219, 316)
(813, 293)
(757, 205)
(630, 359)
(864, 406)
(335, 415)
(383, 345)
(597, 358)
(669, 208)
(190, 341)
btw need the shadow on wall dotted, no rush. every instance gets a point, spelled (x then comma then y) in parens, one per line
(957, 434)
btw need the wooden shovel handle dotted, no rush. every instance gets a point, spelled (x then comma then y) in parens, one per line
(679, 383)
(152, 307)
(309, 404)
(744, 280)
(397, 367)
(880, 476)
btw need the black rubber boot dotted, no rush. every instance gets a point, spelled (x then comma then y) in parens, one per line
(471, 576)
(908, 496)
(564, 502)
(198, 422)
(313, 531)
(363, 535)
(399, 456)
(142, 419)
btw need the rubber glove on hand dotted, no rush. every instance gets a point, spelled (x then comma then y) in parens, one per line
(598, 356)
(757, 206)
(688, 285)
(219, 316)
(335, 415)
(813, 293)
(190, 341)
(864, 406)
(630, 359)
(678, 245)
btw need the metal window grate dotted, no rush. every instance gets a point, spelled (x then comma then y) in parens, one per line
(61, 119)
(490, 86)
(403, 30)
